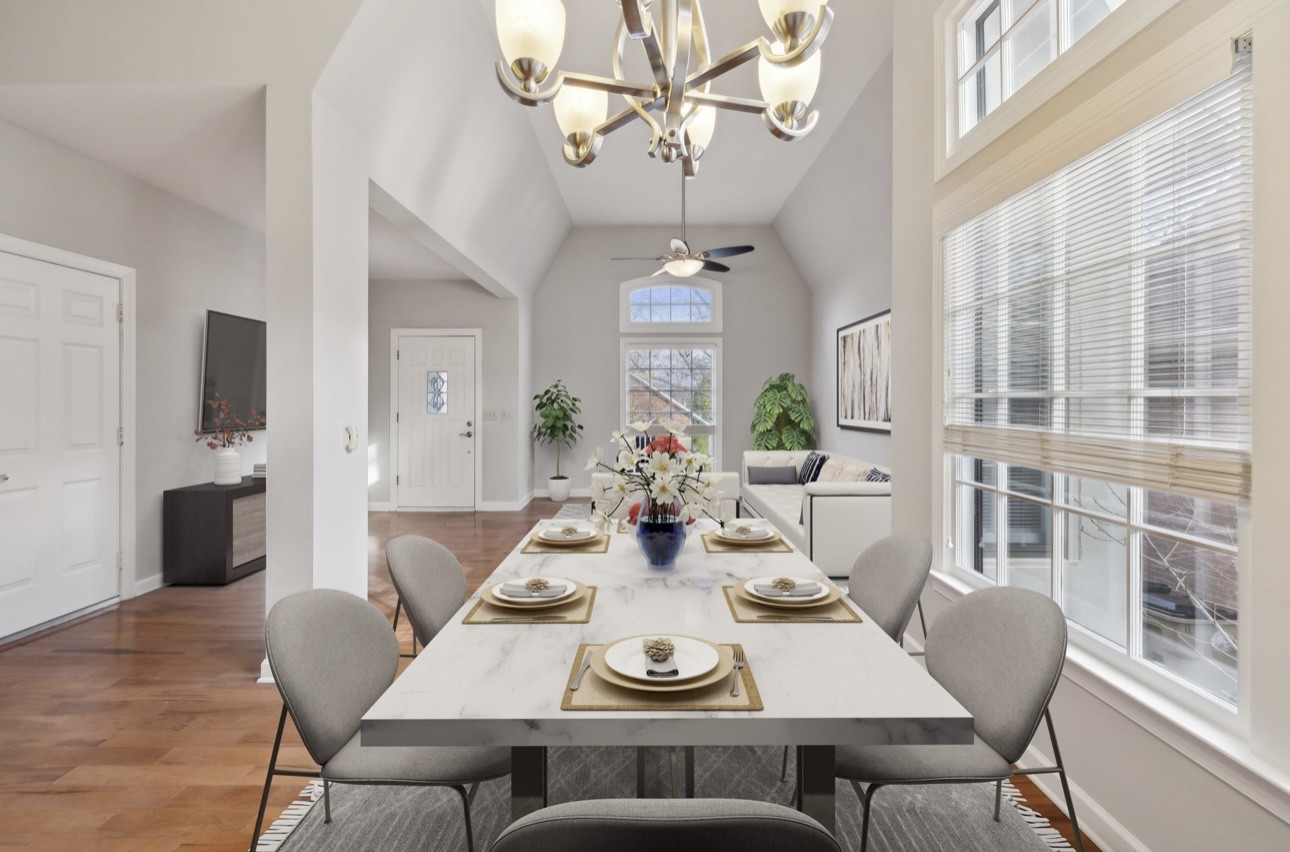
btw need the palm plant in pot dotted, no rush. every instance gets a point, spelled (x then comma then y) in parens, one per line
(556, 408)
(782, 418)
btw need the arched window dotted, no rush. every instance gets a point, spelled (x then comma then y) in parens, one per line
(670, 305)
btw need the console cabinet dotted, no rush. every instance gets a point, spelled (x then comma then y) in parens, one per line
(213, 534)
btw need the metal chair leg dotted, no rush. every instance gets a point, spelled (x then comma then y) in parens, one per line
(866, 797)
(689, 772)
(398, 605)
(326, 802)
(640, 772)
(783, 767)
(465, 807)
(1066, 787)
(268, 777)
(922, 621)
(998, 798)
(671, 756)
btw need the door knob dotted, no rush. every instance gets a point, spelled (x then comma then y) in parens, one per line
(4, 477)
(467, 434)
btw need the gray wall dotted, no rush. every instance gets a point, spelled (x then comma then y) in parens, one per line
(837, 228)
(449, 304)
(187, 259)
(576, 337)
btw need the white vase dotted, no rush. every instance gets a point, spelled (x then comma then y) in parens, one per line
(228, 466)
(558, 489)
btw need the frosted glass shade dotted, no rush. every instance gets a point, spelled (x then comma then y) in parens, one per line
(683, 267)
(531, 29)
(702, 126)
(773, 10)
(780, 84)
(579, 110)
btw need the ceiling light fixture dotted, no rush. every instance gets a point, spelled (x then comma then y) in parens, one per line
(531, 34)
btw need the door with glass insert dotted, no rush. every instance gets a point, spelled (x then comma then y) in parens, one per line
(435, 422)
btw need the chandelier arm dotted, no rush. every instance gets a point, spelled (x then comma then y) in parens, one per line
(635, 108)
(747, 105)
(518, 93)
(729, 62)
(781, 131)
(640, 26)
(612, 85)
(624, 118)
(807, 48)
(682, 39)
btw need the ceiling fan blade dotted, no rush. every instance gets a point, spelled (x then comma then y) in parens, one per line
(681, 247)
(657, 274)
(636, 258)
(713, 266)
(727, 251)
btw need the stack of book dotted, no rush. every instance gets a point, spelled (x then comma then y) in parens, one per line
(260, 471)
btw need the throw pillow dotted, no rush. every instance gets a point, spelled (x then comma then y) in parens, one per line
(876, 475)
(811, 467)
(777, 475)
(842, 470)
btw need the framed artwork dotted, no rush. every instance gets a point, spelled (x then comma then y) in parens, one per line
(864, 374)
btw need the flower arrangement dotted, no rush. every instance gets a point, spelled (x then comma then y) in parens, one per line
(230, 430)
(663, 470)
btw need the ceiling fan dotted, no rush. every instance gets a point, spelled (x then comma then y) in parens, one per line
(682, 262)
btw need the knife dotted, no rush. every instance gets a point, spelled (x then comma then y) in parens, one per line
(586, 664)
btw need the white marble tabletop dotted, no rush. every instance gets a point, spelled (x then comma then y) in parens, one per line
(822, 684)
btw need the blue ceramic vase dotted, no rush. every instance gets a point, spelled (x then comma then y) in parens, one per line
(660, 534)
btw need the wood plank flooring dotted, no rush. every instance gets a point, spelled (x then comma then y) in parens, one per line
(143, 729)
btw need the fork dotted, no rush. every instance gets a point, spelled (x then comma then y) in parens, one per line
(739, 667)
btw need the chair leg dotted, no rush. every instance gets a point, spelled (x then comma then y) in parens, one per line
(671, 756)
(866, 798)
(398, 605)
(1066, 787)
(689, 772)
(326, 802)
(268, 777)
(783, 767)
(465, 807)
(998, 798)
(640, 772)
(922, 621)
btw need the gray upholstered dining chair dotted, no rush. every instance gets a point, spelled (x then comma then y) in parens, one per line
(677, 825)
(429, 582)
(887, 582)
(332, 655)
(999, 652)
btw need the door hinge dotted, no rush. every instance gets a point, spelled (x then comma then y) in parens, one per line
(120, 312)
(397, 355)
(120, 436)
(396, 480)
(120, 562)
(396, 417)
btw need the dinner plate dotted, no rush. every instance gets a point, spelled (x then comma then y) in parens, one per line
(751, 588)
(694, 658)
(741, 534)
(725, 665)
(832, 593)
(565, 535)
(492, 594)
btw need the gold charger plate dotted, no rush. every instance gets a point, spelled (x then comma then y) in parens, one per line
(725, 665)
(788, 603)
(748, 542)
(584, 541)
(579, 590)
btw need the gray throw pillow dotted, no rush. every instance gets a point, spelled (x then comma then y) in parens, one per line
(777, 475)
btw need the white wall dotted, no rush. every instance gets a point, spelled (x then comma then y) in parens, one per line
(187, 260)
(836, 226)
(1148, 773)
(450, 304)
(576, 338)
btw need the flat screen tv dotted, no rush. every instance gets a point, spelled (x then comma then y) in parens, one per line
(233, 366)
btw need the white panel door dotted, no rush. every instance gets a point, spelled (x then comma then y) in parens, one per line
(436, 422)
(60, 351)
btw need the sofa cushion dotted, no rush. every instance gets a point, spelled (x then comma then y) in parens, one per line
(837, 469)
(876, 475)
(811, 467)
(778, 475)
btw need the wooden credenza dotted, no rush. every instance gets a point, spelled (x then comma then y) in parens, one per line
(213, 534)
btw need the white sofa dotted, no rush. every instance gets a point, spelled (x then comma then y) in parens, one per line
(830, 522)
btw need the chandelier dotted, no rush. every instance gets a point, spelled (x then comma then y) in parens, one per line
(678, 105)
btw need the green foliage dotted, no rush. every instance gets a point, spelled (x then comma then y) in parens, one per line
(782, 417)
(555, 408)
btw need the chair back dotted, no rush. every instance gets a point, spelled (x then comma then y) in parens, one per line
(332, 655)
(887, 579)
(430, 581)
(677, 825)
(1000, 652)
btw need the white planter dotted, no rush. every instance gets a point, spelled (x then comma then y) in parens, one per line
(559, 488)
(228, 466)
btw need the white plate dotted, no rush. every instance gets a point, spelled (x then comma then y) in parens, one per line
(752, 534)
(569, 588)
(750, 588)
(564, 535)
(694, 658)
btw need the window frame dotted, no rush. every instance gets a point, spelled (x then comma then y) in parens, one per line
(638, 342)
(627, 288)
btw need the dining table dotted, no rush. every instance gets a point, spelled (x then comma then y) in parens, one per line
(503, 682)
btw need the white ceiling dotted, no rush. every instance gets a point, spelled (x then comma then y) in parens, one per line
(393, 255)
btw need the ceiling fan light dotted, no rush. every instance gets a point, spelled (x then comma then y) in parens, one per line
(579, 110)
(683, 267)
(702, 126)
(531, 29)
(792, 84)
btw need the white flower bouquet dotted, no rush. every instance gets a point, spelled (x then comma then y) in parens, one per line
(661, 470)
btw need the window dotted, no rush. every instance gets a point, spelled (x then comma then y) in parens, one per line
(1097, 408)
(1003, 44)
(652, 305)
(677, 382)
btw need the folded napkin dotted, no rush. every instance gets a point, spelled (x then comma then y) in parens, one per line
(801, 590)
(518, 589)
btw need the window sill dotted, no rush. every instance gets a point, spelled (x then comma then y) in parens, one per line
(1222, 753)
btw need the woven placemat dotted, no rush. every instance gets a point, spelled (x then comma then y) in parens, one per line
(599, 544)
(743, 611)
(574, 612)
(596, 694)
(712, 544)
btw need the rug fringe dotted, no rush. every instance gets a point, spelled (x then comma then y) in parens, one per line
(1039, 824)
(277, 833)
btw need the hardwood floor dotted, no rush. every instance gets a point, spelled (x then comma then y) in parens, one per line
(143, 729)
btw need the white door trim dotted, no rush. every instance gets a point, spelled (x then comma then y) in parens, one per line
(126, 294)
(395, 334)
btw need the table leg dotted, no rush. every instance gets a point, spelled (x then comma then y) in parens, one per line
(528, 780)
(815, 780)
(689, 772)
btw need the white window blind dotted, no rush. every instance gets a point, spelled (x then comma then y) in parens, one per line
(1099, 322)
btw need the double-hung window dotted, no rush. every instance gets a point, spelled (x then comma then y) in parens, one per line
(1097, 407)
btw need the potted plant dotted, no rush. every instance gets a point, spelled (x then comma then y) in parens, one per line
(555, 408)
(229, 433)
(782, 418)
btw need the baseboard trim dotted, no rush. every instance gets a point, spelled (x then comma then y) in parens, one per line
(380, 507)
(574, 492)
(148, 584)
(266, 673)
(503, 505)
(84, 612)
(1094, 820)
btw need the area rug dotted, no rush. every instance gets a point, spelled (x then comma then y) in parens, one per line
(955, 817)
(574, 512)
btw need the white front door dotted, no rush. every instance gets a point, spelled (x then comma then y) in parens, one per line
(60, 463)
(435, 421)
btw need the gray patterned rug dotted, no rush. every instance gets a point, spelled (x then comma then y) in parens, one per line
(574, 512)
(954, 817)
